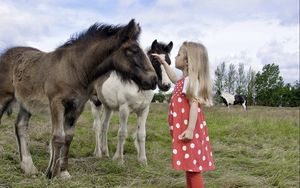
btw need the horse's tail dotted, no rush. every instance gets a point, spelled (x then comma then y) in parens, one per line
(7, 96)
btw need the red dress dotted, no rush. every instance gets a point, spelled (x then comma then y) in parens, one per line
(194, 155)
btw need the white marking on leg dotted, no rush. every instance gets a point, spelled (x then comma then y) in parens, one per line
(97, 129)
(141, 136)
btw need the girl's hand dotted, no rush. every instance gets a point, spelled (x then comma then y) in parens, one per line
(159, 57)
(186, 135)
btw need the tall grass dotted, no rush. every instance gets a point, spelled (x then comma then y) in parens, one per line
(257, 148)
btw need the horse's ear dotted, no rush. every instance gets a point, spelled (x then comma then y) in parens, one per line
(169, 47)
(131, 31)
(154, 44)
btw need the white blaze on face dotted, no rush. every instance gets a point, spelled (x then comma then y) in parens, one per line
(165, 78)
(229, 98)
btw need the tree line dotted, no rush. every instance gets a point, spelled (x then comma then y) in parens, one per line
(265, 87)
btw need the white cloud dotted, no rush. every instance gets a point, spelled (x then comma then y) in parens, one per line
(255, 32)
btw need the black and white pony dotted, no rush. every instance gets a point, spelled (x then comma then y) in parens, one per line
(118, 93)
(229, 99)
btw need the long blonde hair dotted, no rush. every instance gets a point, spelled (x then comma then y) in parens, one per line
(199, 87)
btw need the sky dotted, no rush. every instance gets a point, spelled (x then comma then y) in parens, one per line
(252, 32)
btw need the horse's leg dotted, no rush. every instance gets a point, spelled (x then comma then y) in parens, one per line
(141, 136)
(244, 105)
(58, 137)
(104, 129)
(122, 133)
(6, 102)
(97, 128)
(72, 111)
(20, 131)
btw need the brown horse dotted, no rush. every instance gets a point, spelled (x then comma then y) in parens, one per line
(62, 82)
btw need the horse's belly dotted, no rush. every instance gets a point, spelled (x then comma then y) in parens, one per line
(33, 102)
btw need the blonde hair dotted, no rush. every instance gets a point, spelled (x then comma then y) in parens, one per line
(199, 86)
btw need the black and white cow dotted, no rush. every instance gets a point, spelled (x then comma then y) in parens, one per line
(229, 99)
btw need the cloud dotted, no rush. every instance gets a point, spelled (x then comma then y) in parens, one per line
(255, 32)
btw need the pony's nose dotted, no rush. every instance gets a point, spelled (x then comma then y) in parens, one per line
(165, 87)
(150, 83)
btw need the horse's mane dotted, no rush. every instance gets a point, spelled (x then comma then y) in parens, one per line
(96, 30)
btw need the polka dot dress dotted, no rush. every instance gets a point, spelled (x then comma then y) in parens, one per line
(194, 155)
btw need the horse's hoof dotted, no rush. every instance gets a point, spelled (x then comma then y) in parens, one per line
(118, 159)
(49, 174)
(28, 167)
(65, 174)
(143, 161)
(105, 153)
(97, 154)
(30, 170)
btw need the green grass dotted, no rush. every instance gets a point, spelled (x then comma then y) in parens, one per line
(258, 148)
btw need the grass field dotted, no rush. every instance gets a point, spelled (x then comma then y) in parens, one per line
(258, 148)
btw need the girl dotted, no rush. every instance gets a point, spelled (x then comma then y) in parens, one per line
(190, 143)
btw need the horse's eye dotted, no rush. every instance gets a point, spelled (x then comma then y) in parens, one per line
(131, 51)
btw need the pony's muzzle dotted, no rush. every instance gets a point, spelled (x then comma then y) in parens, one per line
(164, 87)
(150, 83)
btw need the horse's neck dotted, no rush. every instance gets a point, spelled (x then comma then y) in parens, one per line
(96, 60)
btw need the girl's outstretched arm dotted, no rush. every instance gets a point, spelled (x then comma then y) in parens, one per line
(171, 74)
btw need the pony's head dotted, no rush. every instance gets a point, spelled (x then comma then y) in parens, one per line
(130, 61)
(125, 55)
(164, 83)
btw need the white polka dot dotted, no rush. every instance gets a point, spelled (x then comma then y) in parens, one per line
(194, 161)
(190, 170)
(204, 123)
(184, 148)
(173, 140)
(182, 110)
(207, 138)
(199, 152)
(196, 135)
(171, 127)
(175, 151)
(200, 168)
(179, 99)
(210, 153)
(209, 164)
(178, 163)
(172, 104)
(206, 148)
(202, 142)
(174, 114)
(203, 158)
(192, 145)
(177, 125)
(171, 112)
(186, 156)
(199, 110)
(185, 121)
(201, 126)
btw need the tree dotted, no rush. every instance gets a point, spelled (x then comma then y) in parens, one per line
(250, 93)
(230, 79)
(269, 85)
(220, 76)
(241, 82)
(290, 95)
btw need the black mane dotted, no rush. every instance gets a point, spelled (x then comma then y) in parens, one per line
(96, 30)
